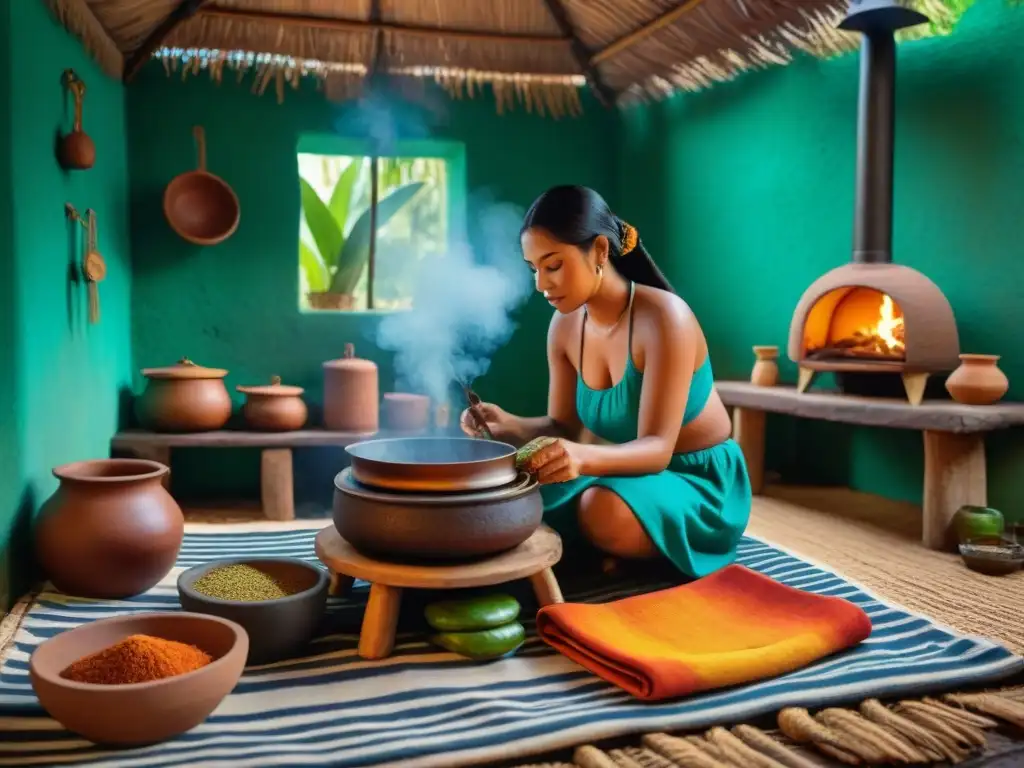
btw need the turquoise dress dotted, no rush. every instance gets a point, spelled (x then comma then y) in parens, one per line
(696, 510)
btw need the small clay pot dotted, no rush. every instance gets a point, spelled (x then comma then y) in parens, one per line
(977, 381)
(351, 394)
(406, 412)
(184, 398)
(275, 407)
(765, 372)
(110, 530)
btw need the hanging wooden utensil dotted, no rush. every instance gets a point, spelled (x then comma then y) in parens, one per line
(93, 267)
(200, 206)
(76, 151)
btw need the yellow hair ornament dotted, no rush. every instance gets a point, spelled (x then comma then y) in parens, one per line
(630, 237)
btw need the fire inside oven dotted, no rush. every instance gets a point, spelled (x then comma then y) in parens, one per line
(854, 323)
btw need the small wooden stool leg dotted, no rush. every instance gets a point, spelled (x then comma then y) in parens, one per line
(546, 588)
(341, 584)
(377, 636)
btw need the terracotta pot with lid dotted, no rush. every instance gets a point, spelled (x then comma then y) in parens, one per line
(110, 530)
(351, 393)
(274, 407)
(184, 397)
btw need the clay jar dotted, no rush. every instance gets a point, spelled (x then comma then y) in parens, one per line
(406, 412)
(184, 398)
(977, 380)
(351, 394)
(110, 530)
(274, 408)
(765, 372)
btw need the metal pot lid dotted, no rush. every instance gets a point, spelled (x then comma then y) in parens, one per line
(525, 483)
(350, 362)
(184, 369)
(274, 389)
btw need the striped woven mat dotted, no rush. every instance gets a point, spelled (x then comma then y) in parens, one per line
(423, 707)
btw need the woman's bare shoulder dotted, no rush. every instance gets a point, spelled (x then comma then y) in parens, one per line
(562, 328)
(663, 309)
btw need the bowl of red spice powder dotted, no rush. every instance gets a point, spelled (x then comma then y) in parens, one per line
(140, 679)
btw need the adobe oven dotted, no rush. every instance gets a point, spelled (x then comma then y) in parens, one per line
(873, 316)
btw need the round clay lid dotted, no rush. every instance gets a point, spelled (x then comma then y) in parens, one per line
(350, 362)
(184, 369)
(274, 388)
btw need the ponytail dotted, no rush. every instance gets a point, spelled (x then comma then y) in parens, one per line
(634, 263)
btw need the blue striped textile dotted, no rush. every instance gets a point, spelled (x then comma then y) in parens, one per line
(422, 707)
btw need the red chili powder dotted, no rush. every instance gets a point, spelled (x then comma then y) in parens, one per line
(137, 659)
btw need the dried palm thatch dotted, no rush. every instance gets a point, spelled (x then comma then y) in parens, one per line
(534, 53)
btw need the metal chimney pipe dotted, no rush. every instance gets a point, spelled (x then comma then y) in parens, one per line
(877, 21)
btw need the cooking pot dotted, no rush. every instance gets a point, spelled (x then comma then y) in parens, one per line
(184, 397)
(275, 407)
(436, 526)
(433, 464)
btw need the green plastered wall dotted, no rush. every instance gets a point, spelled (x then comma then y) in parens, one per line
(60, 378)
(235, 305)
(745, 194)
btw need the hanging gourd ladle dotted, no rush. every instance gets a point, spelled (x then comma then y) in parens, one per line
(76, 150)
(199, 206)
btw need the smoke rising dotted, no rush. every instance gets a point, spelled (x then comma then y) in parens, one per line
(462, 305)
(462, 301)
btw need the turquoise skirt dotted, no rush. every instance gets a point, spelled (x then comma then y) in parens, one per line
(695, 511)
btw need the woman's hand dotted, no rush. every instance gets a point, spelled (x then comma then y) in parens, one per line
(500, 422)
(557, 462)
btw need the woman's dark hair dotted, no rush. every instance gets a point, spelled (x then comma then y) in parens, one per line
(578, 216)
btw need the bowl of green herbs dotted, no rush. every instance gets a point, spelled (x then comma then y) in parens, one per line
(280, 601)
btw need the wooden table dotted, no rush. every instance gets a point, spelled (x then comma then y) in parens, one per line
(533, 560)
(277, 487)
(954, 439)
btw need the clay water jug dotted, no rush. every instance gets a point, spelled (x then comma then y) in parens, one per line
(110, 530)
(977, 380)
(765, 372)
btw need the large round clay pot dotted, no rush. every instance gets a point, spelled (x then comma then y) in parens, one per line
(275, 407)
(765, 372)
(977, 380)
(184, 397)
(110, 530)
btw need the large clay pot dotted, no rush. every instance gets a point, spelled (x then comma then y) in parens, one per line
(765, 372)
(110, 530)
(275, 407)
(977, 380)
(351, 394)
(184, 398)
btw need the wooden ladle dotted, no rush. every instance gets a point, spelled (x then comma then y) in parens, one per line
(76, 151)
(93, 267)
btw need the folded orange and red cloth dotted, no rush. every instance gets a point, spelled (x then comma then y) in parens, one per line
(734, 626)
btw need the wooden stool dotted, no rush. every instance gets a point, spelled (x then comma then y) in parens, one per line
(532, 559)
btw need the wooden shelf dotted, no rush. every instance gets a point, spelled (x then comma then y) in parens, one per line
(934, 415)
(237, 438)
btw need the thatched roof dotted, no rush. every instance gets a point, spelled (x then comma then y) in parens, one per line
(538, 52)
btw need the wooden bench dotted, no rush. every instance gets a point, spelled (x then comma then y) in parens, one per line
(277, 491)
(954, 439)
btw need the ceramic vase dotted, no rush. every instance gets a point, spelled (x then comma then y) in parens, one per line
(977, 381)
(766, 370)
(110, 530)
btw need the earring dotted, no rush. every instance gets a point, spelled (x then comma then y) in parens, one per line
(600, 269)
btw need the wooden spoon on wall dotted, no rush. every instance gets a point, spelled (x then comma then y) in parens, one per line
(93, 267)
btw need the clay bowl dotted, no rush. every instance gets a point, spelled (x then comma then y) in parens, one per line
(277, 628)
(143, 713)
(992, 555)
